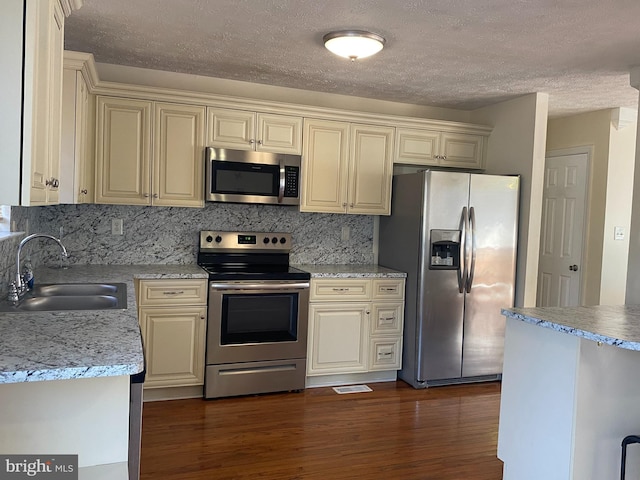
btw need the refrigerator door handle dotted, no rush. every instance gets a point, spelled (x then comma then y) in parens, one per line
(472, 229)
(462, 271)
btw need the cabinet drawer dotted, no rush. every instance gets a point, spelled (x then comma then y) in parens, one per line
(173, 292)
(386, 318)
(385, 353)
(340, 290)
(388, 289)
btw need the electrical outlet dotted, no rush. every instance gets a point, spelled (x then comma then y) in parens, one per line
(618, 233)
(346, 233)
(116, 226)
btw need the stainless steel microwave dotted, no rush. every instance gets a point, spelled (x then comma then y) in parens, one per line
(241, 176)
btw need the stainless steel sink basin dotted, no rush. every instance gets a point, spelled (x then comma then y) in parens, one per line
(71, 296)
(68, 302)
(76, 289)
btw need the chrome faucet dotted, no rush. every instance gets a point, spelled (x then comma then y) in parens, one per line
(18, 288)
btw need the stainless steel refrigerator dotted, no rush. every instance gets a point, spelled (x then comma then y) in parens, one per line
(454, 234)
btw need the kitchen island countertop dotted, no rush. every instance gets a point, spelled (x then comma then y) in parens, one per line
(617, 325)
(82, 343)
(350, 271)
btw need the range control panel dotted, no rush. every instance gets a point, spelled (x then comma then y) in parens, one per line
(215, 241)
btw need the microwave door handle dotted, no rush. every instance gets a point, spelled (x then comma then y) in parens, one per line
(281, 187)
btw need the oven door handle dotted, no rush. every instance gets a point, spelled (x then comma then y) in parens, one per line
(259, 286)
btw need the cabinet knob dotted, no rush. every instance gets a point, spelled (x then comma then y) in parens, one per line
(84, 191)
(351, 205)
(155, 195)
(252, 141)
(146, 195)
(259, 142)
(344, 205)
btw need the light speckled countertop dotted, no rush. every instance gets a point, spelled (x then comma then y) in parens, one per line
(617, 325)
(80, 344)
(350, 271)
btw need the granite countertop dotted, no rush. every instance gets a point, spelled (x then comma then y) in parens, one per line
(350, 271)
(80, 344)
(617, 325)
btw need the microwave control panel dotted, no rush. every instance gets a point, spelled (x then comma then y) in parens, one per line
(291, 181)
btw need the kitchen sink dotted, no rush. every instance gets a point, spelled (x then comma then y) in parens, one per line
(68, 302)
(71, 296)
(76, 289)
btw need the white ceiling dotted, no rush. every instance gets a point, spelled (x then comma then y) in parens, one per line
(459, 54)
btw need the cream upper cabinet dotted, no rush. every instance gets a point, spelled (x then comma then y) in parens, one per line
(446, 149)
(347, 168)
(77, 173)
(31, 101)
(123, 147)
(178, 167)
(245, 130)
(133, 170)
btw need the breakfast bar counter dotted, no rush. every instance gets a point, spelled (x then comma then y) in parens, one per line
(570, 392)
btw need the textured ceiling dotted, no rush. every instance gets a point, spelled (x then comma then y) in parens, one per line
(459, 54)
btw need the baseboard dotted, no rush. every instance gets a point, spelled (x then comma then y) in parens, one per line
(351, 378)
(172, 393)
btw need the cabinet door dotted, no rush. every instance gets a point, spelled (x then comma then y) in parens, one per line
(462, 150)
(75, 110)
(231, 128)
(417, 147)
(178, 162)
(338, 338)
(123, 173)
(279, 134)
(325, 166)
(174, 343)
(371, 169)
(84, 179)
(42, 101)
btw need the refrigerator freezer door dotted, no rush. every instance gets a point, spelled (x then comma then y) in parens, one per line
(441, 305)
(495, 205)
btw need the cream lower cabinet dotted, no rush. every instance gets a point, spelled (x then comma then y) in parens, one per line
(172, 315)
(443, 149)
(262, 132)
(149, 153)
(348, 168)
(355, 325)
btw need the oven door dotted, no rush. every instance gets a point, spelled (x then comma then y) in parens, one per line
(254, 321)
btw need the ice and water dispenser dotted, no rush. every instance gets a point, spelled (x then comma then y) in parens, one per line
(445, 250)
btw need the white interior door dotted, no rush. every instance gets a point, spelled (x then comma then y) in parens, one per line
(563, 222)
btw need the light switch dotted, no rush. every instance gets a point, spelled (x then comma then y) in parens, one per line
(618, 233)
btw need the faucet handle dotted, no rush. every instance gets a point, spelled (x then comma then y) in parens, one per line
(13, 296)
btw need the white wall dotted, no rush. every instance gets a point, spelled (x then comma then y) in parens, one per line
(517, 146)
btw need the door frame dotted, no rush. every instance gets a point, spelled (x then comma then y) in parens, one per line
(581, 150)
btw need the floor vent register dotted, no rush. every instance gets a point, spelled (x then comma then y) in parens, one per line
(352, 389)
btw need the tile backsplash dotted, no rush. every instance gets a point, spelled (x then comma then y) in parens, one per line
(169, 235)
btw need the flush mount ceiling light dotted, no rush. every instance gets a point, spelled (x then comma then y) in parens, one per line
(353, 44)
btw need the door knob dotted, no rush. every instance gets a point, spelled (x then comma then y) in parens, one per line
(573, 268)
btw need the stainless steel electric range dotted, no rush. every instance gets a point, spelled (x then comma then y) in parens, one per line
(257, 314)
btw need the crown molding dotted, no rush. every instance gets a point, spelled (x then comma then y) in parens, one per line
(85, 63)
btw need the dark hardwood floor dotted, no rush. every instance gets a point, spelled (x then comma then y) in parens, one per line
(394, 432)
